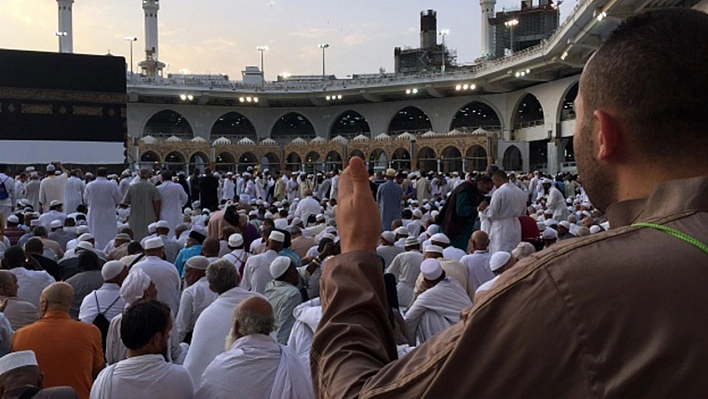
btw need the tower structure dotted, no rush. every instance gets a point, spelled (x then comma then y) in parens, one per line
(65, 31)
(152, 65)
(487, 28)
(428, 29)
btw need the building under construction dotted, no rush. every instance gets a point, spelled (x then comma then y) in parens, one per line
(526, 27)
(430, 55)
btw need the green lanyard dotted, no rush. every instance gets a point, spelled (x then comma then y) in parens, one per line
(675, 233)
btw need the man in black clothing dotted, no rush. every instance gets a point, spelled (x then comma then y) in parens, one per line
(208, 191)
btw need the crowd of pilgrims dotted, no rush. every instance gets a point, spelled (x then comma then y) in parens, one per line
(174, 286)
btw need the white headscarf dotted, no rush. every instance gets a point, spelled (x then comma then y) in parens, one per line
(134, 286)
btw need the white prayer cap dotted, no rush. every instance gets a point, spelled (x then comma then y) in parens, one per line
(50, 168)
(281, 223)
(134, 285)
(551, 222)
(15, 360)
(389, 236)
(13, 219)
(235, 240)
(279, 266)
(81, 230)
(197, 262)
(541, 226)
(85, 245)
(565, 224)
(276, 204)
(498, 260)
(151, 228)
(569, 200)
(54, 203)
(259, 202)
(402, 231)
(253, 213)
(268, 215)
(440, 237)
(154, 243)
(320, 217)
(162, 224)
(34, 174)
(277, 236)
(85, 237)
(297, 220)
(546, 181)
(417, 213)
(411, 241)
(605, 225)
(586, 204)
(111, 269)
(390, 172)
(523, 250)
(586, 213)
(329, 236)
(431, 269)
(55, 224)
(187, 211)
(434, 214)
(550, 234)
(427, 207)
(29, 169)
(595, 229)
(35, 223)
(433, 249)
(432, 229)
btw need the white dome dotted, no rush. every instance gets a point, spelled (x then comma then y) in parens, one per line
(430, 133)
(406, 136)
(148, 140)
(222, 141)
(173, 139)
(318, 140)
(198, 140)
(340, 139)
(382, 136)
(299, 140)
(246, 141)
(454, 132)
(480, 132)
(360, 137)
(269, 141)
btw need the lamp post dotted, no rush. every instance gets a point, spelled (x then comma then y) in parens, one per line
(323, 46)
(131, 39)
(443, 33)
(511, 24)
(60, 35)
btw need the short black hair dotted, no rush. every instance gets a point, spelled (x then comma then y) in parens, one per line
(88, 260)
(500, 174)
(101, 172)
(142, 321)
(14, 257)
(134, 248)
(3, 168)
(652, 70)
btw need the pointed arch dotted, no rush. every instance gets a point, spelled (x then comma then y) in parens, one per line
(233, 126)
(512, 160)
(476, 159)
(528, 112)
(410, 119)
(476, 115)
(427, 159)
(401, 159)
(292, 125)
(166, 123)
(349, 124)
(225, 161)
(451, 158)
(293, 162)
(567, 104)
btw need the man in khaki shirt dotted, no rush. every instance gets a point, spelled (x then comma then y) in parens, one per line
(613, 314)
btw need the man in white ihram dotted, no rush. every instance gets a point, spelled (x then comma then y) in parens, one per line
(214, 323)
(102, 196)
(162, 273)
(255, 365)
(508, 203)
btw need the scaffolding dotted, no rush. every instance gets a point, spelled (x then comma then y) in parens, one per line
(532, 25)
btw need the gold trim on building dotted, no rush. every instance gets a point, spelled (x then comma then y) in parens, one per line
(41, 109)
(88, 111)
(62, 95)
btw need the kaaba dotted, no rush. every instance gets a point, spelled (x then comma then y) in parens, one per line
(62, 107)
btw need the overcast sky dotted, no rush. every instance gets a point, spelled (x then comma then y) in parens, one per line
(221, 36)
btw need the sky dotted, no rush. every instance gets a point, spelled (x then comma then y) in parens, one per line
(221, 36)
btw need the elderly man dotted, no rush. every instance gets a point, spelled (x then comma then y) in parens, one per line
(195, 298)
(120, 249)
(59, 234)
(438, 307)
(20, 377)
(477, 263)
(86, 281)
(55, 338)
(406, 268)
(255, 365)
(389, 197)
(256, 273)
(19, 313)
(145, 331)
(213, 325)
(632, 169)
(387, 249)
(144, 201)
(507, 204)
(283, 294)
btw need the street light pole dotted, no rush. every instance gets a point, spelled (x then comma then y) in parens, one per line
(511, 24)
(131, 40)
(60, 35)
(443, 33)
(262, 49)
(323, 46)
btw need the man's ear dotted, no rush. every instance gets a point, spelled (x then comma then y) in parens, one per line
(607, 135)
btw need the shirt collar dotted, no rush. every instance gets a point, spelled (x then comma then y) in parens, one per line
(56, 314)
